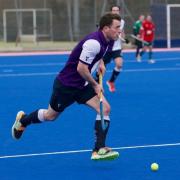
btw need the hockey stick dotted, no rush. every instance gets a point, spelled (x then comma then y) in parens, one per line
(101, 102)
(124, 40)
(139, 39)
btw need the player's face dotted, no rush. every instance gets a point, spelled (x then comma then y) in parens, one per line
(141, 18)
(115, 10)
(114, 30)
(149, 18)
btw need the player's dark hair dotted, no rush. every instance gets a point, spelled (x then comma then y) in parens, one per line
(115, 6)
(107, 20)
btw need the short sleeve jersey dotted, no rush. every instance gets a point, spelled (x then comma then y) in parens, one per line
(88, 51)
(136, 27)
(147, 31)
(118, 43)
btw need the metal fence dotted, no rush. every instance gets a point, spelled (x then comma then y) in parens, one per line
(72, 19)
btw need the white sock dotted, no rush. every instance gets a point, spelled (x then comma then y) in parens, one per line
(98, 117)
(41, 114)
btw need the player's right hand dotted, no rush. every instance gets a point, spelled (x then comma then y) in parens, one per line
(102, 67)
(98, 89)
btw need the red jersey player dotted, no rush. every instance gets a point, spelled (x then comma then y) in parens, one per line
(147, 34)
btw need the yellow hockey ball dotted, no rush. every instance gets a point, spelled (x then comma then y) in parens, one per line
(154, 166)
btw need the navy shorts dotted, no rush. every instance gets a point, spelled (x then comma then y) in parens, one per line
(139, 44)
(111, 55)
(63, 96)
(148, 44)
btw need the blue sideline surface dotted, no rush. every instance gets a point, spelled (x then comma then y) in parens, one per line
(145, 122)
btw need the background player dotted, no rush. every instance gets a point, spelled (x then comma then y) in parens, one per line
(147, 34)
(136, 31)
(115, 53)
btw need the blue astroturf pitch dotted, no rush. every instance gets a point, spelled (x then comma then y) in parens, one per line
(145, 122)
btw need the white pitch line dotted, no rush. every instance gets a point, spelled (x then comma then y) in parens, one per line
(149, 69)
(152, 69)
(108, 71)
(88, 150)
(156, 59)
(168, 59)
(7, 70)
(148, 146)
(28, 74)
(63, 63)
(32, 65)
(44, 154)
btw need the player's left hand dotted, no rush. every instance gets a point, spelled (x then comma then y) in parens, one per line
(126, 40)
(98, 89)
